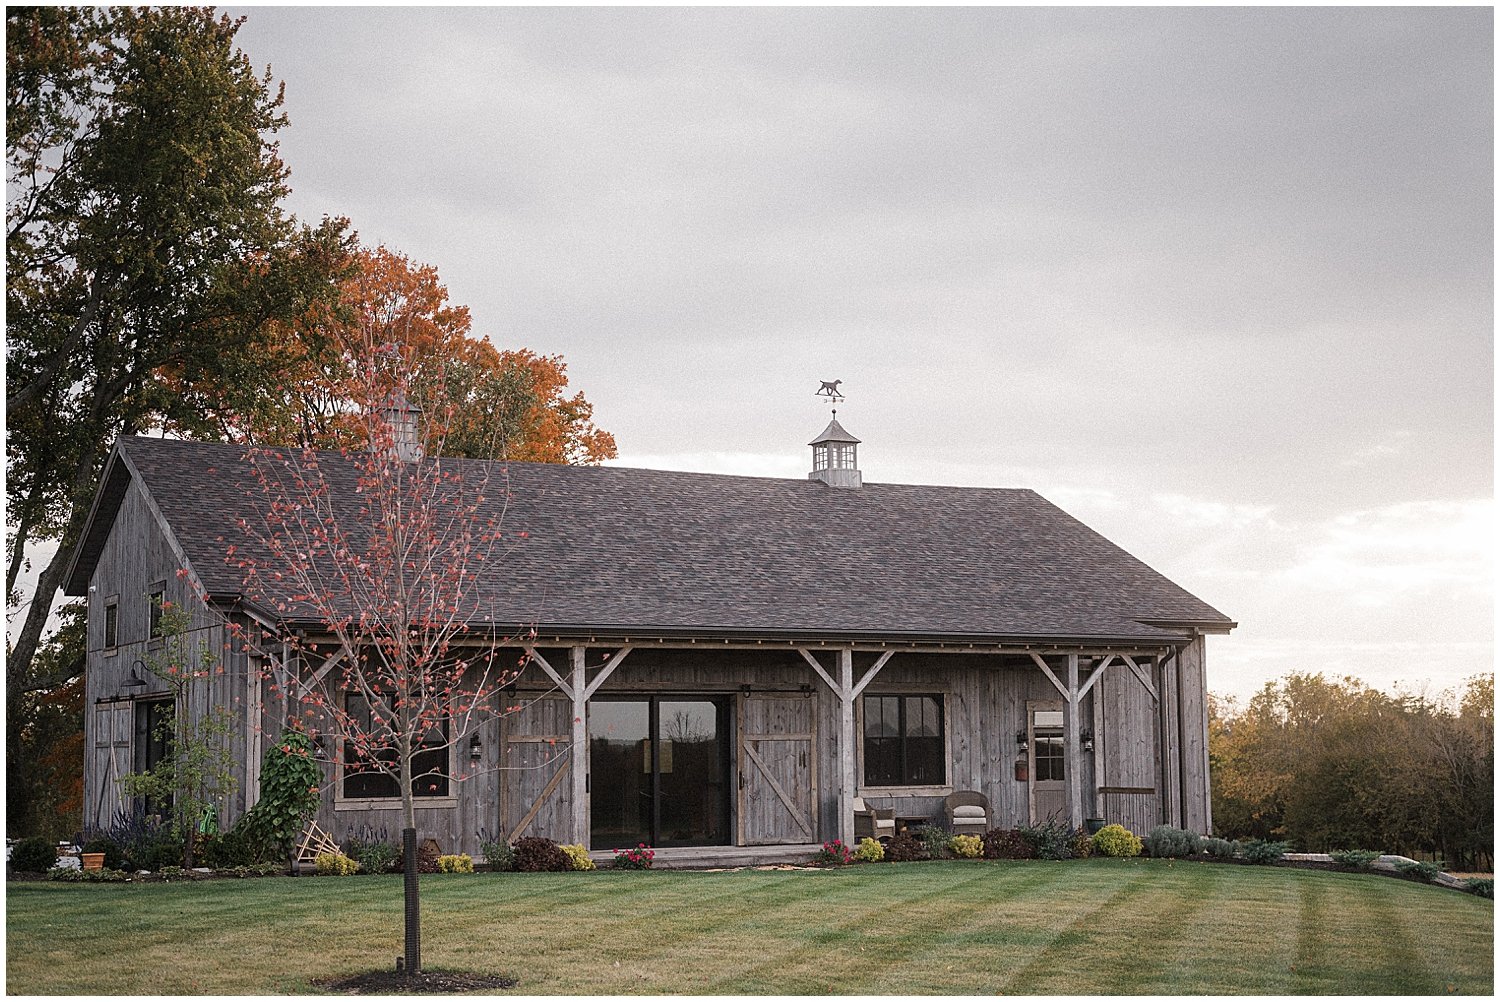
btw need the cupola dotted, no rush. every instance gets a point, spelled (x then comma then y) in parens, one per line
(835, 460)
(403, 424)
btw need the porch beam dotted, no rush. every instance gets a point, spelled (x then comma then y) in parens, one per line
(536, 656)
(1140, 675)
(1062, 689)
(579, 750)
(807, 656)
(605, 672)
(1095, 675)
(869, 676)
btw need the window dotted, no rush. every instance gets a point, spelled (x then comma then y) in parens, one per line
(904, 741)
(111, 622)
(1047, 737)
(155, 603)
(843, 457)
(363, 779)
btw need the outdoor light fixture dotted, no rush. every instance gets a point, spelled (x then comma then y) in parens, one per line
(136, 680)
(1087, 736)
(1021, 740)
(476, 750)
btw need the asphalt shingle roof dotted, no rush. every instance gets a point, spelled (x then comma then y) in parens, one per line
(629, 549)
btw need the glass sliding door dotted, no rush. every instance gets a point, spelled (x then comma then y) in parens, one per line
(658, 771)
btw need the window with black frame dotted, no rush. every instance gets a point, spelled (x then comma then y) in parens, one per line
(365, 775)
(904, 740)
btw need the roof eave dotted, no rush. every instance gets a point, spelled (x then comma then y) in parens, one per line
(106, 505)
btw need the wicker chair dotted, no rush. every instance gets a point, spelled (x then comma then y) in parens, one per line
(967, 812)
(873, 822)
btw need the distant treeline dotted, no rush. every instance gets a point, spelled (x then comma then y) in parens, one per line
(1334, 764)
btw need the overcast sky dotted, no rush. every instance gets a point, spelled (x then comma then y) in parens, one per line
(1218, 282)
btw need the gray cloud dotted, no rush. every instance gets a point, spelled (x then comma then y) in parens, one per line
(1244, 255)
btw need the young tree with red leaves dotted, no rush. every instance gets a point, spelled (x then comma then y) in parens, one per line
(377, 555)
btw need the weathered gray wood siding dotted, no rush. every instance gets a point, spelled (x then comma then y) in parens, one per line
(1127, 748)
(138, 557)
(526, 752)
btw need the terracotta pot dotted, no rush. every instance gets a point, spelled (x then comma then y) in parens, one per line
(93, 861)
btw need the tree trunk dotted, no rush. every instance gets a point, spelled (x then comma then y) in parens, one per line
(413, 956)
(18, 664)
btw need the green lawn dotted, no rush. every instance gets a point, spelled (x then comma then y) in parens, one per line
(1088, 927)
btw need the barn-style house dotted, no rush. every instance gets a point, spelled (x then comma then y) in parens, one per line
(717, 662)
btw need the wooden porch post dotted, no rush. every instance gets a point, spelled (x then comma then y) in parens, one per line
(847, 692)
(846, 747)
(1072, 749)
(579, 751)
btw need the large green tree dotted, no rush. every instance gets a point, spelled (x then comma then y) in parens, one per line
(147, 251)
(1333, 763)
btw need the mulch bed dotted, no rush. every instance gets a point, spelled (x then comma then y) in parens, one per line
(401, 983)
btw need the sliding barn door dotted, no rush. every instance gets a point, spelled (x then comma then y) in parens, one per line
(537, 798)
(778, 787)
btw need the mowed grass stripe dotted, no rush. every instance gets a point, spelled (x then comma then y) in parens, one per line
(1085, 927)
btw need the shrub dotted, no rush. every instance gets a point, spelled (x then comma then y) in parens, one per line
(1006, 843)
(459, 863)
(104, 876)
(935, 840)
(1355, 859)
(1167, 842)
(870, 851)
(373, 853)
(1420, 869)
(1260, 852)
(1116, 840)
(114, 857)
(499, 855)
(427, 858)
(578, 857)
(1482, 886)
(534, 854)
(1049, 840)
(1082, 844)
(224, 850)
(638, 858)
(1218, 848)
(34, 855)
(289, 781)
(966, 846)
(833, 853)
(334, 864)
(905, 848)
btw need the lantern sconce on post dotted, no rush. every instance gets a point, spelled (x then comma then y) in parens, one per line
(1087, 737)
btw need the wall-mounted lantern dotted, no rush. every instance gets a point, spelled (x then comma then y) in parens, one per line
(136, 680)
(1021, 740)
(476, 748)
(1087, 737)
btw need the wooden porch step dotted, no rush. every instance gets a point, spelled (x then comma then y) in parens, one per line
(709, 857)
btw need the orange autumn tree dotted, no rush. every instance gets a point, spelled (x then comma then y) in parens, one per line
(487, 403)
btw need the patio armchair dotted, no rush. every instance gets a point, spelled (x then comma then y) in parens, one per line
(967, 812)
(873, 822)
